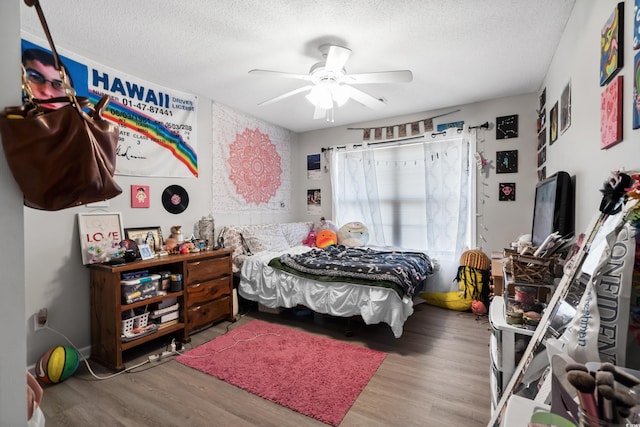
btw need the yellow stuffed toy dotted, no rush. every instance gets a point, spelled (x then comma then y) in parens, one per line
(473, 276)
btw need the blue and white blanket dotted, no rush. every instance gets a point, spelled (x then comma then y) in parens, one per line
(400, 270)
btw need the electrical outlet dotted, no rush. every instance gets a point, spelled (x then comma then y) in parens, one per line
(40, 319)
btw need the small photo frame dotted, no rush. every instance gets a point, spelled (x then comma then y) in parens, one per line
(565, 108)
(145, 252)
(542, 173)
(542, 138)
(553, 129)
(542, 156)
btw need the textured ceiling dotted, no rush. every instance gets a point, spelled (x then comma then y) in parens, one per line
(460, 51)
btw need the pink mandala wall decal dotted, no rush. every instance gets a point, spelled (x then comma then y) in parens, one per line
(255, 166)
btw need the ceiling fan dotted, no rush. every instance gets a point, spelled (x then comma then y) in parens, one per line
(330, 85)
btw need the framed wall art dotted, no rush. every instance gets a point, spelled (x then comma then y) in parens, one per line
(542, 173)
(507, 161)
(542, 156)
(553, 128)
(611, 114)
(636, 91)
(507, 127)
(507, 192)
(612, 45)
(542, 119)
(565, 108)
(152, 236)
(100, 233)
(542, 138)
(313, 167)
(140, 196)
(636, 24)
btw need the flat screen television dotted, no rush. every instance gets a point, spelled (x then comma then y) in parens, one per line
(553, 207)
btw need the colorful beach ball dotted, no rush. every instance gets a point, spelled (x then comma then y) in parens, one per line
(57, 364)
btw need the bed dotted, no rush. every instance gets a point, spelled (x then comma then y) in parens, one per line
(277, 271)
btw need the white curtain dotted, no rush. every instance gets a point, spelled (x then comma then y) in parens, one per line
(416, 195)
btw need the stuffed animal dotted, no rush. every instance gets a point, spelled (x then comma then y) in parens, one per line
(311, 239)
(473, 275)
(325, 224)
(326, 238)
(353, 234)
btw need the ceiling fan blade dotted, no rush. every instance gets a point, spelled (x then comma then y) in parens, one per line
(400, 76)
(336, 58)
(363, 98)
(286, 95)
(281, 74)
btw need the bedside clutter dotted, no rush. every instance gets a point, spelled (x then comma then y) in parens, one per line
(590, 317)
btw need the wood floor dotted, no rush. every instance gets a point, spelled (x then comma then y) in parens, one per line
(436, 374)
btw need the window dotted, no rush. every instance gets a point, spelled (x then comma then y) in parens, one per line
(413, 195)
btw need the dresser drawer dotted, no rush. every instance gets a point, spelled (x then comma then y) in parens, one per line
(203, 314)
(201, 292)
(198, 271)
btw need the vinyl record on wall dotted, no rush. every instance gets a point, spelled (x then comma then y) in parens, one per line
(175, 199)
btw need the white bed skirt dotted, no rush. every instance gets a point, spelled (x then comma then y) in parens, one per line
(275, 288)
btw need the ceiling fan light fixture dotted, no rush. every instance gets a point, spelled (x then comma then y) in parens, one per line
(321, 96)
(340, 94)
(330, 86)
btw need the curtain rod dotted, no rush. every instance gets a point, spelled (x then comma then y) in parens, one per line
(389, 141)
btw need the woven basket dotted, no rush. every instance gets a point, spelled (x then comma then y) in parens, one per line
(530, 269)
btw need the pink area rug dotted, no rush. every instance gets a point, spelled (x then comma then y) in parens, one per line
(316, 376)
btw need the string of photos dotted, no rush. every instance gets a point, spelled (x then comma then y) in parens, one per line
(484, 166)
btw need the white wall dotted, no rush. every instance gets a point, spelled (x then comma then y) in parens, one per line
(13, 407)
(578, 150)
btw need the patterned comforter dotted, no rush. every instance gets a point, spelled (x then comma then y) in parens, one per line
(399, 270)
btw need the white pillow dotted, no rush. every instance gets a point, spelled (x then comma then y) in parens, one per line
(296, 232)
(266, 239)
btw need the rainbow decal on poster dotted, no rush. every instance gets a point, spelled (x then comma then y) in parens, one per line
(152, 129)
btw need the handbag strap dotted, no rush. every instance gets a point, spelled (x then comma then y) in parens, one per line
(70, 91)
(45, 27)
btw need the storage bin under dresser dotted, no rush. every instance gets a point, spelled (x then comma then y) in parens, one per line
(208, 290)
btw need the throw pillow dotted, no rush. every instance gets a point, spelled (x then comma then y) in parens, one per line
(266, 239)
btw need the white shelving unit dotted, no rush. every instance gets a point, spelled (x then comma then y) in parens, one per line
(502, 348)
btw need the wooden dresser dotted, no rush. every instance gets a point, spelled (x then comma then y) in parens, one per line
(208, 289)
(206, 298)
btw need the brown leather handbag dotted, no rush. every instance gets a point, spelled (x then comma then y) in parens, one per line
(60, 158)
